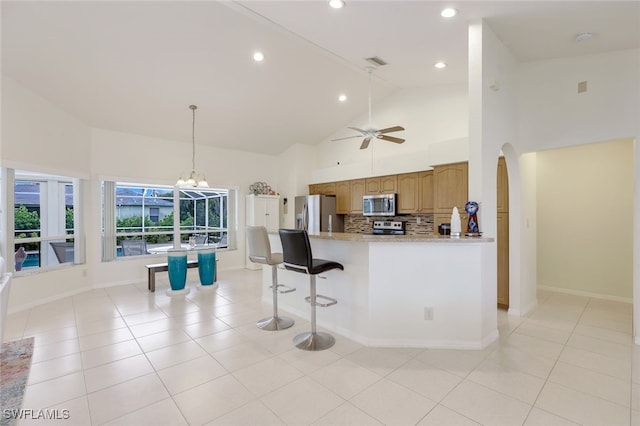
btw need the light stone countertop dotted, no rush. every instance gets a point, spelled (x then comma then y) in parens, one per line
(370, 238)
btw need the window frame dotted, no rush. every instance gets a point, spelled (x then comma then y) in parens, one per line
(179, 233)
(52, 195)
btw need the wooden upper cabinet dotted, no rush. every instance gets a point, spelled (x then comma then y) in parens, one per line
(328, 188)
(357, 192)
(407, 193)
(425, 192)
(372, 185)
(343, 197)
(381, 185)
(415, 192)
(389, 184)
(314, 189)
(503, 186)
(451, 187)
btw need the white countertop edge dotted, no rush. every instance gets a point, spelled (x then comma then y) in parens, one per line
(370, 238)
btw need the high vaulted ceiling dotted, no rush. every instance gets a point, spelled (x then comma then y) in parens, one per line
(135, 67)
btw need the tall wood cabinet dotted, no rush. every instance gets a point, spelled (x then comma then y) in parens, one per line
(450, 189)
(503, 234)
(262, 210)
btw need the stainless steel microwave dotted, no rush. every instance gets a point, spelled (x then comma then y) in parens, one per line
(379, 205)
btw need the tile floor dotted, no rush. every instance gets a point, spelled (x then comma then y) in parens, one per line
(123, 356)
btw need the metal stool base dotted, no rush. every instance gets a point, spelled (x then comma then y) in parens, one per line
(314, 341)
(275, 323)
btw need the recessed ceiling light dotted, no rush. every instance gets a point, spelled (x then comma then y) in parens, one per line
(336, 4)
(584, 36)
(440, 65)
(342, 97)
(258, 56)
(449, 12)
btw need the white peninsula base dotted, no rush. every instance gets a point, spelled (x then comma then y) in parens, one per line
(422, 292)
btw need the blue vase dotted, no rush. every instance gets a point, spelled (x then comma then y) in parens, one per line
(207, 265)
(177, 264)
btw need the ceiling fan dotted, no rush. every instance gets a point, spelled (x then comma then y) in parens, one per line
(370, 132)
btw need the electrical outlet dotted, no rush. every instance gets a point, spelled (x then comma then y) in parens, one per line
(428, 313)
(418, 220)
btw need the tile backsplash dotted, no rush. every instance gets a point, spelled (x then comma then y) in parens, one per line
(359, 224)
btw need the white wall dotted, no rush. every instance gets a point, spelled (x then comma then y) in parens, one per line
(436, 123)
(585, 219)
(298, 161)
(552, 114)
(38, 136)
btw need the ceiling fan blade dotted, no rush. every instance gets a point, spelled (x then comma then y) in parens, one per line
(391, 129)
(365, 142)
(390, 139)
(357, 130)
(348, 137)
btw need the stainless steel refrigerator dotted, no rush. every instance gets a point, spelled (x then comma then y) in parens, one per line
(317, 213)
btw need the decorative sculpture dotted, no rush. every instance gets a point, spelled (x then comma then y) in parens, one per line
(260, 188)
(472, 209)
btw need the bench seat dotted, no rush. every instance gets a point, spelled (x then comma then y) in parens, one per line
(160, 267)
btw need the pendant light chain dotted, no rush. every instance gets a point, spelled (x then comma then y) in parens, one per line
(193, 179)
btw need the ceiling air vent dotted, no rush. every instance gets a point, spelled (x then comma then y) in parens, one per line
(374, 60)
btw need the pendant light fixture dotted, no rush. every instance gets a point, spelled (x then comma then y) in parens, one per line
(193, 180)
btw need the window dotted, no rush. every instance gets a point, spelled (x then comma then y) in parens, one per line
(44, 219)
(146, 214)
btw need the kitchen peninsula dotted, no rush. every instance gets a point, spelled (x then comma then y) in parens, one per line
(418, 291)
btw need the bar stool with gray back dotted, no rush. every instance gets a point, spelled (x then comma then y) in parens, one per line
(260, 252)
(297, 254)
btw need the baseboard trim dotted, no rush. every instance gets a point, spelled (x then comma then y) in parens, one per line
(586, 294)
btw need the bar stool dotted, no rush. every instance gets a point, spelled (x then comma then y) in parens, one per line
(298, 257)
(260, 252)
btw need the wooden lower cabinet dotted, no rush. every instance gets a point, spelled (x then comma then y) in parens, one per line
(503, 260)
